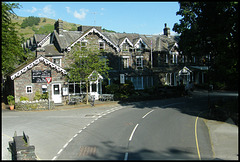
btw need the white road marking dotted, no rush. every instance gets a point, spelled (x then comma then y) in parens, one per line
(126, 156)
(130, 138)
(59, 151)
(147, 114)
(70, 140)
(65, 145)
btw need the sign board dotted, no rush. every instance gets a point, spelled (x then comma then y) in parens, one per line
(38, 76)
(65, 91)
(122, 79)
(48, 79)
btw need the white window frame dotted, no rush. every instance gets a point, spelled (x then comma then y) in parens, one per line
(101, 41)
(127, 58)
(83, 41)
(57, 57)
(139, 57)
(27, 89)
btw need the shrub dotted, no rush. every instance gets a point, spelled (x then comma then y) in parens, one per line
(11, 100)
(22, 98)
(37, 96)
(44, 95)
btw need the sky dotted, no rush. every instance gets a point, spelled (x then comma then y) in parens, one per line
(130, 17)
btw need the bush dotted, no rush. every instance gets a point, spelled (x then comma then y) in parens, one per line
(121, 91)
(22, 98)
(39, 96)
(44, 95)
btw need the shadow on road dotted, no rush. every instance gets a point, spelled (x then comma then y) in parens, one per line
(200, 103)
(112, 152)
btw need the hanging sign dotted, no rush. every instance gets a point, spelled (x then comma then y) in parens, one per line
(49, 79)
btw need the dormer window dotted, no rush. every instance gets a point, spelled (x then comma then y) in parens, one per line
(140, 45)
(125, 47)
(57, 60)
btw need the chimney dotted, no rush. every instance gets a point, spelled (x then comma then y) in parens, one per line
(40, 51)
(59, 26)
(166, 30)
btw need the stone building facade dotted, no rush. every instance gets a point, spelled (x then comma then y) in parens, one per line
(146, 60)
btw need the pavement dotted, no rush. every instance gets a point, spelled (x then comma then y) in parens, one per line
(223, 135)
(224, 139)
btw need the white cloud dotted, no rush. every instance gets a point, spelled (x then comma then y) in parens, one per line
(81, 15)
(68, 10)
(102, 9)
(32, 10)
(47, 11)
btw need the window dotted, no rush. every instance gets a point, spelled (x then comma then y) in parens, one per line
(125, 62)
(137, 82)
(101, 45)
(77, 88)
(139, 61)
(28, 89)
(125, 47)
(57, 61)
(83, 45)
(44, 88)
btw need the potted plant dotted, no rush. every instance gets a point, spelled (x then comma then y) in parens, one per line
(11, 101)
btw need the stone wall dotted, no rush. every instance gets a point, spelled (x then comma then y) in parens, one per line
(21, 149)
(34, 105)
(25, 79)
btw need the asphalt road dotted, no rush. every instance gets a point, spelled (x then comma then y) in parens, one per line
(164, 129)
(142, 131)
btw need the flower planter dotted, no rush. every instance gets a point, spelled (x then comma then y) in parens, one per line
(11, 107)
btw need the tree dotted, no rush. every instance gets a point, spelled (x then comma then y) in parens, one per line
(12, 51)
(211, 28)
(30, 21)
(83, 63)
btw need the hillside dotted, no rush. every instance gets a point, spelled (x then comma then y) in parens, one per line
(45, 26)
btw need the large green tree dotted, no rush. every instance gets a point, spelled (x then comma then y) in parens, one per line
(12, 51)
(83, 63)
(211, 28)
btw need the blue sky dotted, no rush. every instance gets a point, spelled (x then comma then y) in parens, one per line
(130, 17)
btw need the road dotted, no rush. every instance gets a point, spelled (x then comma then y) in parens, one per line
(160, 129)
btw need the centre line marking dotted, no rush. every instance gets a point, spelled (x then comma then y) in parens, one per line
(147, 114)
(130, 138)
(199, 156)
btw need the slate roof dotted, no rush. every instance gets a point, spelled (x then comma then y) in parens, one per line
(39, 37)
(50, 49)
(67, 38)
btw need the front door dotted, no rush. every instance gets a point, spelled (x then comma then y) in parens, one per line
(56, 93)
